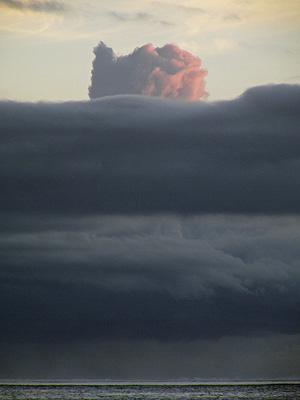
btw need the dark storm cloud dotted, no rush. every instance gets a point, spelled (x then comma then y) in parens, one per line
(128, 154)
(261, 357)
(34, 5)
(73, 271)
(55, 311)
(149, 278)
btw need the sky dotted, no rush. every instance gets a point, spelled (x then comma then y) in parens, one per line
(47, 46)
(146, 234)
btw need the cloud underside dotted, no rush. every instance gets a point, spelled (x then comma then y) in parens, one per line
(133, 218)
(149, 278)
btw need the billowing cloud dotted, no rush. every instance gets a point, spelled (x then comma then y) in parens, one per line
(158, 72)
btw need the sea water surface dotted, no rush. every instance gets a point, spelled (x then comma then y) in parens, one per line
(149, 391)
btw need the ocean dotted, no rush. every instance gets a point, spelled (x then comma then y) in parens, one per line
(147, 391)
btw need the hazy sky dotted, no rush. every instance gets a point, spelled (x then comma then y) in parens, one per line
(46, 46)
(141, 237)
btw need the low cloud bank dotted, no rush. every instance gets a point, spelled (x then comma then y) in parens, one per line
(121, 218)
(128, 155)
(166, 71)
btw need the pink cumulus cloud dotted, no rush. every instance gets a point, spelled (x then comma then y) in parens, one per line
(167, 71)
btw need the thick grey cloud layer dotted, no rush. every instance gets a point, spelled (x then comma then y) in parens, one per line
(94, 276)
(150, 222)
(160, 277)
(137, 155)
